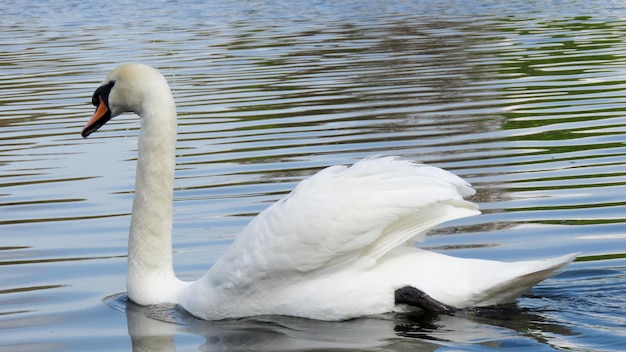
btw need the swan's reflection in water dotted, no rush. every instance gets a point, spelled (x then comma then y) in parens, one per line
(154, 328)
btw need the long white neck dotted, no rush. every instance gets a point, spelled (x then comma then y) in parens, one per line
(151, 278)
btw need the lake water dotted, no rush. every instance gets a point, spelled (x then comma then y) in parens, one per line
(524, 99)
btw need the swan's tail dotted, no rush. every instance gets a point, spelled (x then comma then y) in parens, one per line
(465, 282)
(521, 278)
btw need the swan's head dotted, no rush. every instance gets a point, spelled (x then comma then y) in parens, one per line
(126, 89)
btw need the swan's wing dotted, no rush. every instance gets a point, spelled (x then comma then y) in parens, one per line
(345, 216)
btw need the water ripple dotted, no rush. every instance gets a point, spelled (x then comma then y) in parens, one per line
(528, 107)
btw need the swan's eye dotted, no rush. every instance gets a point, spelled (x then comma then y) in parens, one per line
(102, 92)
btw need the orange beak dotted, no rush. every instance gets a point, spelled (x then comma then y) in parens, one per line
(99, 118)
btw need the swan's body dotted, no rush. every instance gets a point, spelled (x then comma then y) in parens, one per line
(336, 247)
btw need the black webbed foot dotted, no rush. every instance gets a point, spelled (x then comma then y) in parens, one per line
(412, 296)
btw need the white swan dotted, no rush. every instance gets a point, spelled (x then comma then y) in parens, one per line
(337, 247)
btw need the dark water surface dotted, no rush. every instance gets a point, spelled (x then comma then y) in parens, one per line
(524, 99)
